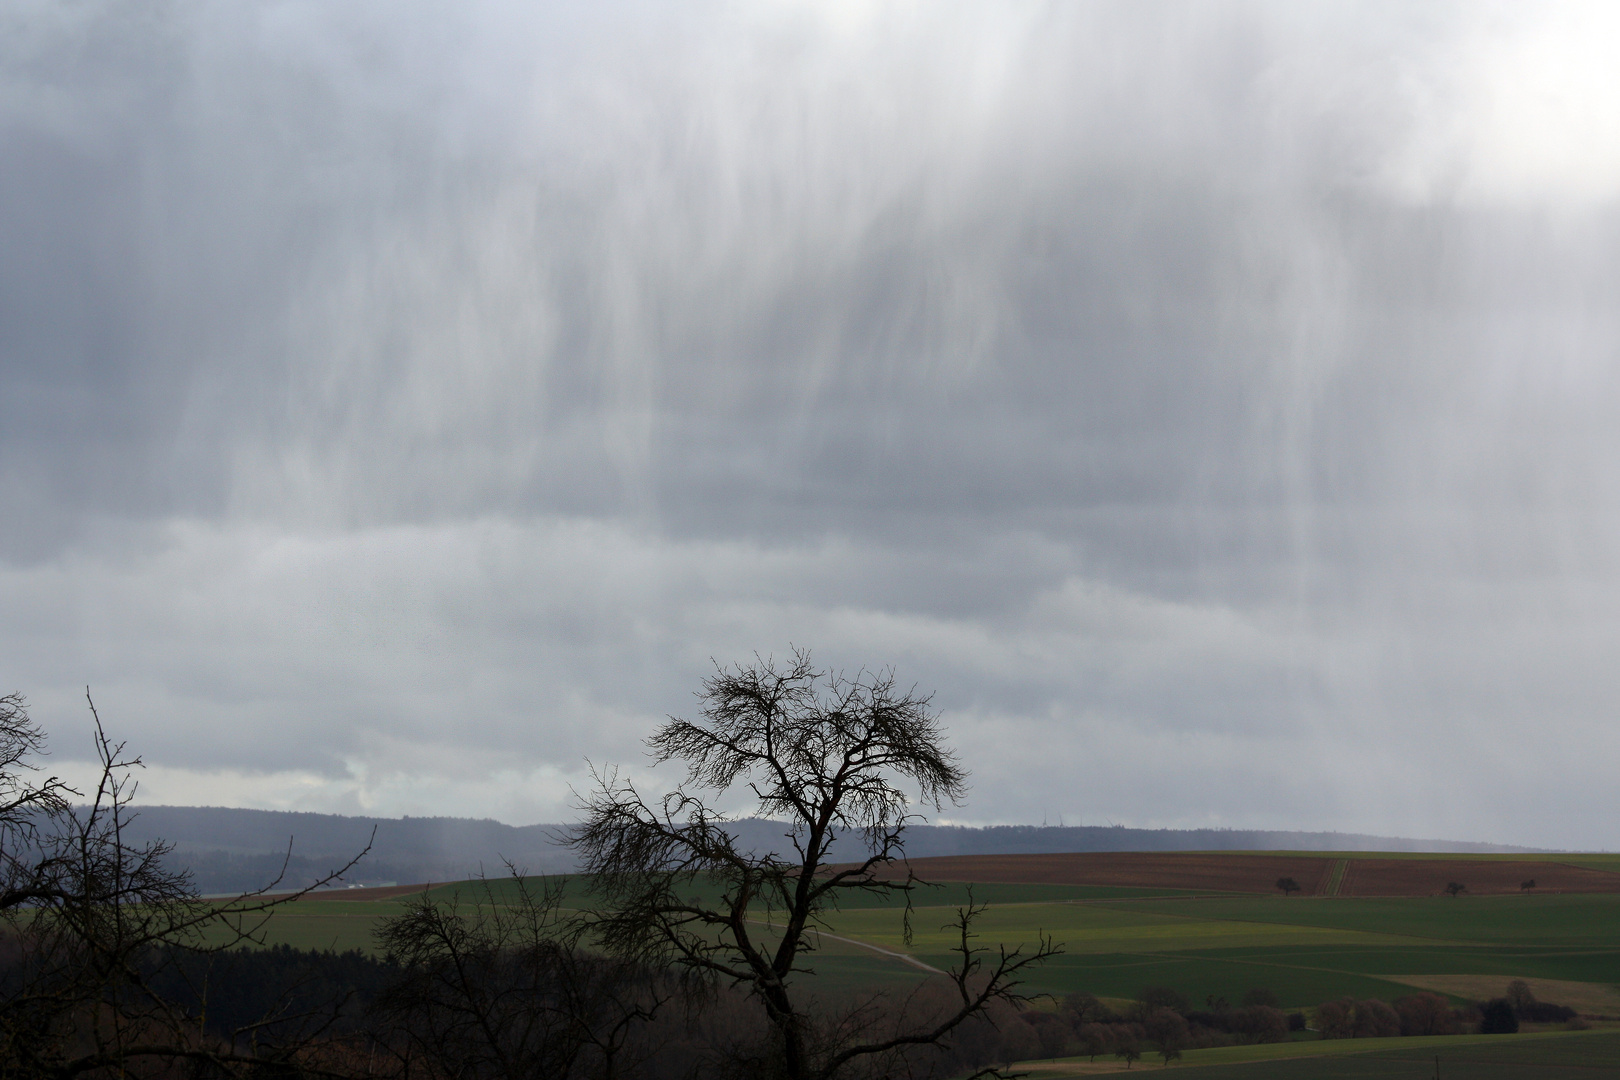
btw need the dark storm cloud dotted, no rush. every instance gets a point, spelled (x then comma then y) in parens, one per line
(394, 396)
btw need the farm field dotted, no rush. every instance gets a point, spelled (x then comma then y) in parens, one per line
(1307, 951)
(1560, 1056)
(1317, 873)
(1181, 932)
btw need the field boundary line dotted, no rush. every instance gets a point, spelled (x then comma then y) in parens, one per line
(904, 957)
(1283, 966)
(1403, 938)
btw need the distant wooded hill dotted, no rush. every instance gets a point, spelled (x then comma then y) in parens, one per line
(232, 850)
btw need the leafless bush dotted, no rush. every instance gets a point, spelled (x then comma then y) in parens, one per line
(87, 919)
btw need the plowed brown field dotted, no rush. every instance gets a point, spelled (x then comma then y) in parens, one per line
(1258, 873)
(1425, 877)
(1215, 871)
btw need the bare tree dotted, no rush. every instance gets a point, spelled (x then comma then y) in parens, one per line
(85, 916)
(1168, 1031)
(497, 987)
(837, 758)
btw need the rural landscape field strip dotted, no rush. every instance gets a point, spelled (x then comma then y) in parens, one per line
(1119, 939)
(1214, 871)
(1306, 950)
(1316, 873)
(1572, 920)
(1114, 949)
(1099, 928)
(1557, 1055)
(1591, 998)
(1335, 879)
(1199, 976)
(1207, 946)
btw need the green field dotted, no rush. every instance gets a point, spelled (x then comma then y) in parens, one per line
(1558, 1056)
(1307, 950)
(1119, 941)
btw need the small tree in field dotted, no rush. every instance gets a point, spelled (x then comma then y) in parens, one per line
(1082, 1008)
(1520, 996)
(1168, 1030)
(1129, 1053)
(837, 758)
(1455, 887)
(1288, 885)
(1093, 1039)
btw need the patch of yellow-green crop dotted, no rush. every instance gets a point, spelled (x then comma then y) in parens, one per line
(338, 925)
(1092, 928)
(1316, 1048)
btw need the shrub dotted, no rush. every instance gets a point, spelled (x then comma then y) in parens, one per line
(1545, 1012)
(1167, 1029)
(1426, 1014)
(1019, 1042)
(1083, 1008)
(1349, 1019)
(1095, 1039)
(1262, 995)
(1333, 1019)
(1052, 1030)
(1496, 1018)
(1162, 997)
(1375, 1020)
(1260, 1024)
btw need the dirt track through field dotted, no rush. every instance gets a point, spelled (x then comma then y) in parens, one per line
(1258, 873)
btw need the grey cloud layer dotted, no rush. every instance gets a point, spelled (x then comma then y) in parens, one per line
(1190, 394)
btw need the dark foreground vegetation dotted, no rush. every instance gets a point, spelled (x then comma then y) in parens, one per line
(1162, 1023)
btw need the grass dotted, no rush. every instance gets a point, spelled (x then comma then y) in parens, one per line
(1560, 919)
(337, 925)
(1596, 860)
(1477, 1057)
(1199, 978)
(1307, 951)
(1103, 928)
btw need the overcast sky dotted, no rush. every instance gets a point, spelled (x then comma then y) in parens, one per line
(1216, 405)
